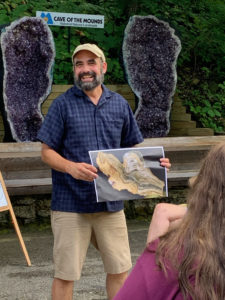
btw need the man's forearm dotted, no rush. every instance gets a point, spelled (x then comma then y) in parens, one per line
(54, 159)
(78, 170)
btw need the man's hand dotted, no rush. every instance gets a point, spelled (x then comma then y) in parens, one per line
(165, 162)
(82, 171)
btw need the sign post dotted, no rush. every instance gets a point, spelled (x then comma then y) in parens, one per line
(5, 204)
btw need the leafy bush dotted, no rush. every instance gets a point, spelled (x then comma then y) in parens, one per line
(205, 100)
(199, 25)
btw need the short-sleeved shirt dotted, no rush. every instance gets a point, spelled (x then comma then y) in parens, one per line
(73, 126)
(146, 281)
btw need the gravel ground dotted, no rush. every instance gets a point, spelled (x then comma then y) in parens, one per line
(20, 282)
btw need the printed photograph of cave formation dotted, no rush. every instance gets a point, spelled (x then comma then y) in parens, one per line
(130, 173)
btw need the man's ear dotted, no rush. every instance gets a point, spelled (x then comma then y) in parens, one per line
(104, 67)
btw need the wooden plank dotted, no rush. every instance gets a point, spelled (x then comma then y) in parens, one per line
(191, 132)
(44, 110)
(60, 88)
(183, 124)
(183, 143)
(177, 105)
(178, 116)
(53, 95)
(47, 103)
(180, 109)
(170, 143)
(200, 142)
(28, 182)
(29, 186)
(27, 174)
(125, 88)
(20, 155)
(186, 156)
(175, 176)
(200, 131)
(30, 190)
(20, 147)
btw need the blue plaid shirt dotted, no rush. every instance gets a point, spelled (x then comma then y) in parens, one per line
(72, 127)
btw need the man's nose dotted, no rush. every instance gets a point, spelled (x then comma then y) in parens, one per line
(85, 68)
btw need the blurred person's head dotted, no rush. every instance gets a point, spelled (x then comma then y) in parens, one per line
(197, 247)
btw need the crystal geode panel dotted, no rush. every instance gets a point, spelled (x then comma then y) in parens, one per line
(150, 51)
(7, 131)
(28, 56)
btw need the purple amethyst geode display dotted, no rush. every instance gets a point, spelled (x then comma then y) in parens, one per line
(28, 56)
(150, 51)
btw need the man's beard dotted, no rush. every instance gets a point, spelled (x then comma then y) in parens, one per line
(88, 86)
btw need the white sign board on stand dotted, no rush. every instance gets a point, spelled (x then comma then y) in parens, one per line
(5, 204)
(3, 201)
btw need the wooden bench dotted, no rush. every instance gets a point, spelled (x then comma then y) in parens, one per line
(185, 154)
(23, 170)
(25, 173)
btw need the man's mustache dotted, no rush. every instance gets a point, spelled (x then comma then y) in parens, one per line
(90, 73)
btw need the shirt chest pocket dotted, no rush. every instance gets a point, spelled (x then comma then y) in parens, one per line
(112, 121)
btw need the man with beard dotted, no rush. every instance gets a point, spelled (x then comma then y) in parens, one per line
(86, 117)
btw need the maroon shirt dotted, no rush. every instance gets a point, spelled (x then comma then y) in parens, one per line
(147, 282)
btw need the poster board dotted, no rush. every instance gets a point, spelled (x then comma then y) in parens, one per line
(5, 204)
(3, 201)
(129, 173)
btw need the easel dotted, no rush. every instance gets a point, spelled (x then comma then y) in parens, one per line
(5, 204)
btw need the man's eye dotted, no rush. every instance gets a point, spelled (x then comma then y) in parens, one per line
(78, 64)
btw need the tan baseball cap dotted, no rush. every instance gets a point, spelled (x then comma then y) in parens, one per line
(89, 47)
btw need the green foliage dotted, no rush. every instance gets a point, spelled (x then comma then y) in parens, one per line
(199, 25)
(205, 100)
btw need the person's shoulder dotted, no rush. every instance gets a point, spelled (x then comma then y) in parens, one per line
(114, 95)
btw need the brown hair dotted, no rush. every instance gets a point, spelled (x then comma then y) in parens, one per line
(196, 249)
